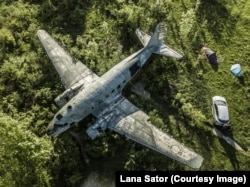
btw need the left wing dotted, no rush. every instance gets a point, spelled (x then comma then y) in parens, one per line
(72, 73)
(126, 119)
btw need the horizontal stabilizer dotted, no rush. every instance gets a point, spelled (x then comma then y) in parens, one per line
(143, 37)
(157, 39)
(168, 51)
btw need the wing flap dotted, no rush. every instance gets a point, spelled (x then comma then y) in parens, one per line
(135, 124)
(70, 71)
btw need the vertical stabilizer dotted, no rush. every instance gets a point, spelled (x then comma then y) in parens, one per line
(157, 38)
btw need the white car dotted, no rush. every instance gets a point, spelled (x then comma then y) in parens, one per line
(220, 112)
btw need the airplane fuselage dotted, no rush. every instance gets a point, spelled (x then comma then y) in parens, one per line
(94, 98)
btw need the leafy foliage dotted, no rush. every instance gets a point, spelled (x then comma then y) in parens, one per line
(24, 156)
(100, 34)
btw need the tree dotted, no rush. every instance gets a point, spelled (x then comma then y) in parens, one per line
(23, 155)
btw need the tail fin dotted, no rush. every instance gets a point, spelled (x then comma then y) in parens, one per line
(157, 41)
(157, 38)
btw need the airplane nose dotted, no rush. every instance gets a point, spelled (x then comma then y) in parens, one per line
(50, 130)
(51, 125)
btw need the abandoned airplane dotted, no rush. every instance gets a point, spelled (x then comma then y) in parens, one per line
(87, 93)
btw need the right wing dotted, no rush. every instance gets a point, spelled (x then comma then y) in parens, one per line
(126, 119)
(72, 73)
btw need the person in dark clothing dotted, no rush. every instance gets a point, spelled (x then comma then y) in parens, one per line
(210, 55)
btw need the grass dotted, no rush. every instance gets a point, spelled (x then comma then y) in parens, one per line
(184, 109)
(224, 28)
(221, 26)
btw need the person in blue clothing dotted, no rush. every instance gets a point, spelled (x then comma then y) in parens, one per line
(210, 55)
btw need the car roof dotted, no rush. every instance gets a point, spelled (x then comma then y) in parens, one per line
(223, 113)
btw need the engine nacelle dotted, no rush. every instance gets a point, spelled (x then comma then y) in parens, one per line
(100, 126)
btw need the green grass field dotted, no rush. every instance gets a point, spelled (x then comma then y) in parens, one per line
(101, 34)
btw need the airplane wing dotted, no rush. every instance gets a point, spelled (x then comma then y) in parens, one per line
(165, 50)
(70, 71)
(126, 119)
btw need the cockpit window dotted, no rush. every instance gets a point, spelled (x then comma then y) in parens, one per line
(59, 116)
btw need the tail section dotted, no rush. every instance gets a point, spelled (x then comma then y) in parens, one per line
(157, 41)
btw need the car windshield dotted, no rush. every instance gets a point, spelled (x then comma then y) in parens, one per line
(223, 121)
(223, 103)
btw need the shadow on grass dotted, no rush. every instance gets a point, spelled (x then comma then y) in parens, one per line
(230, 145)
(227, 142)
(241, 80)
(62, 18)
(215, 67)
(218, 18)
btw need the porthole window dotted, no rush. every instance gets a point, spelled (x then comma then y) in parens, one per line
(59, 116)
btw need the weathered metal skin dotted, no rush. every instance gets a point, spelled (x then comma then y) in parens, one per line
(86, 93)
